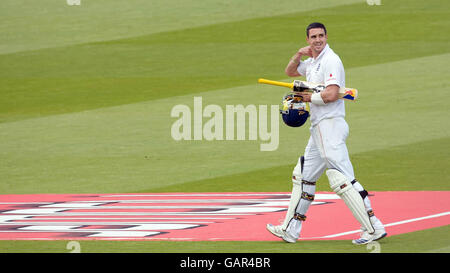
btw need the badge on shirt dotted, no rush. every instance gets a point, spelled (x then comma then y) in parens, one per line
(330, 77)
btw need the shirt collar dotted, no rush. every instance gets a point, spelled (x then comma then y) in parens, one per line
(323, 52)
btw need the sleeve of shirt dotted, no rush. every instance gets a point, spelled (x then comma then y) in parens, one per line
(301, 68)
(334, 72)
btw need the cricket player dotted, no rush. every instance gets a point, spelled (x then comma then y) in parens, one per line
(326, 149)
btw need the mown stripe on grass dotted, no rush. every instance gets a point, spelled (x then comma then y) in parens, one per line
(94, 75)
(416, 166)
(128, 148)
(31, 25)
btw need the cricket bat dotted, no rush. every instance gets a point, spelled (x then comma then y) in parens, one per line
(302, 86)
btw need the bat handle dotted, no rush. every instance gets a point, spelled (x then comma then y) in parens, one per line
(284, 84)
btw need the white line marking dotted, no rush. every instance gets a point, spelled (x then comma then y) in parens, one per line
(246, 210)
(74, 205)
(387, 225)
(206, 206)
(77, 228)
(107, 218)
(222, 213)
(35, 211)
(34, 223)
(319, 196)
(195, 194)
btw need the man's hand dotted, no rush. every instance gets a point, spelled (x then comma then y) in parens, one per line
(291, 68)
(305, 51)
(330, 94)
(306, 96)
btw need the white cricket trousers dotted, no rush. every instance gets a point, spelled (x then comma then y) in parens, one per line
(327, 149)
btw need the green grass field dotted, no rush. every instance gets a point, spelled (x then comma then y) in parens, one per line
(87, 92)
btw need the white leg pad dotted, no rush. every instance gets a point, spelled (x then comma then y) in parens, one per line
(296, 193)
(295, 198)
(343, 188)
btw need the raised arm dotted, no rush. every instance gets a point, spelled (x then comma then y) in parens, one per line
(291, 68)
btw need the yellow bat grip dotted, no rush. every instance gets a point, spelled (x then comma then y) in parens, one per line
(284, 84)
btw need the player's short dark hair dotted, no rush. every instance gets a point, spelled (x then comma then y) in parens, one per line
(315, 25)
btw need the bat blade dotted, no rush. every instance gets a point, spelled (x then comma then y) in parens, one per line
(349, 94)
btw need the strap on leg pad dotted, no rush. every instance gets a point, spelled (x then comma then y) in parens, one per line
(307, 196)
(363, 193)
(297, 175)
(308, 183)
(302, 162)
(300, 217)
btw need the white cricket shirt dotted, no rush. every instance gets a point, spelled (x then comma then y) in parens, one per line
(328, 69)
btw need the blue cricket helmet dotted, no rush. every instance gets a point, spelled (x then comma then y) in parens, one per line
(294, 111)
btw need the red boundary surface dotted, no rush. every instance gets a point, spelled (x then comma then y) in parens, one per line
(205, 216)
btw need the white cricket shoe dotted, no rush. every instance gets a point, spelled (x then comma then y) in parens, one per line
(288, 238)
(366, 237)
(279, 232)
(275, 230)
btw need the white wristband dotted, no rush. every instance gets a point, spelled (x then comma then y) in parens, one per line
(316, 98)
